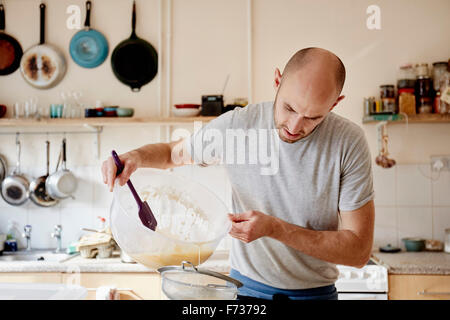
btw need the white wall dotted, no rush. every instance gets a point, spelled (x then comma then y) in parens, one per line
(209, 41)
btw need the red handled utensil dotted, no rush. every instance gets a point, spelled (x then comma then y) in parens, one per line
(145, 213)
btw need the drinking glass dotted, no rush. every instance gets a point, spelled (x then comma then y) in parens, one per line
(18, 110)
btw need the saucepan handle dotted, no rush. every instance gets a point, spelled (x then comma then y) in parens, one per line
(2, 17)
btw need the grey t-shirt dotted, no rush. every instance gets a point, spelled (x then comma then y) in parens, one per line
(305, 183)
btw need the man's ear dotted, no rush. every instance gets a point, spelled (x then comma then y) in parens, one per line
(337, 101)
(277, 80)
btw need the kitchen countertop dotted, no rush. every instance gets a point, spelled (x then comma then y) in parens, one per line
(217, 262)
(424, 262)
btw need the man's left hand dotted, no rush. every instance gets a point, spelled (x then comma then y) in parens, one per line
(251, 225)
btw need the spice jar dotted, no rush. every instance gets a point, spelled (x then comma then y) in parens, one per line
(369, 106)
(387, 91)
(406, 77)
(407, 103)
(423, 92)
(422, 70)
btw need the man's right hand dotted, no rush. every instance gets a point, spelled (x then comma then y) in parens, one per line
(109, 169)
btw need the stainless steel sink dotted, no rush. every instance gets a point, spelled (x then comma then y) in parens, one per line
(35, 255)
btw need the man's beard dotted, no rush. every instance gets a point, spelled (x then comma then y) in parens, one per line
(280, 126)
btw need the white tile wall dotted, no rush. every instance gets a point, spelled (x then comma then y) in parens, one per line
(386, 226)
(413, 188)
(410, 201)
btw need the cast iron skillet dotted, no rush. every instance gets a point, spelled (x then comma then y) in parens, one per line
(134, 61)
(10, 49)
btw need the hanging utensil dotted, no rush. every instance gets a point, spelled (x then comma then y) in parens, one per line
(145, 213)
(15, 188)
(62, 183)
(10, 49)
(134, 61)
(3, 168)
(382, 159)
(88, 47)
(43, 66)
(38, 191)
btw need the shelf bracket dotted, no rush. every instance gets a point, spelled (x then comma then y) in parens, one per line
(97, 130)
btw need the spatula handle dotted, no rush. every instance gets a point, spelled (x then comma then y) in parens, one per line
(120, 167)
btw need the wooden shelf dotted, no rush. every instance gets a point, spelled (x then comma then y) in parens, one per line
(400, 118)
(101, 122)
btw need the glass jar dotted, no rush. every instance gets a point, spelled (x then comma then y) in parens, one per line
(423, 92)
(447, 240)
(439, 71)
(387, 91)
(444, 83)
(406, 76)
(422, 70)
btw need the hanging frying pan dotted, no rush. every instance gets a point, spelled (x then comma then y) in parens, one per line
(43, 66)
(10, 49)
(88, 47)
(134, 61)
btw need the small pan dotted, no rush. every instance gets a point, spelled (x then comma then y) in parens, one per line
(88, 47)
(134, 61)
(10, 49)
(43, 66)
(38, 192)
(15, 187)
(62, 183)
(3, 168)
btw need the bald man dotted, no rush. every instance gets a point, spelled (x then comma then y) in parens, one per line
(305, 202)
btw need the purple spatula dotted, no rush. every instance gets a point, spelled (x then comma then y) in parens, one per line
(145, 213)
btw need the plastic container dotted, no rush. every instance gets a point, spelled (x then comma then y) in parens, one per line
(41, 291)
(192, 220)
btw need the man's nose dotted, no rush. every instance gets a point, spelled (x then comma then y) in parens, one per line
(295, 124)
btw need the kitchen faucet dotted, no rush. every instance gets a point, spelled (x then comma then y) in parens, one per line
(57, 235)
(27, 235)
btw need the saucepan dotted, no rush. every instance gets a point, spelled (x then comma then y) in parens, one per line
(38, 191)
(14, 188)
(2, 168)
(62, 183)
